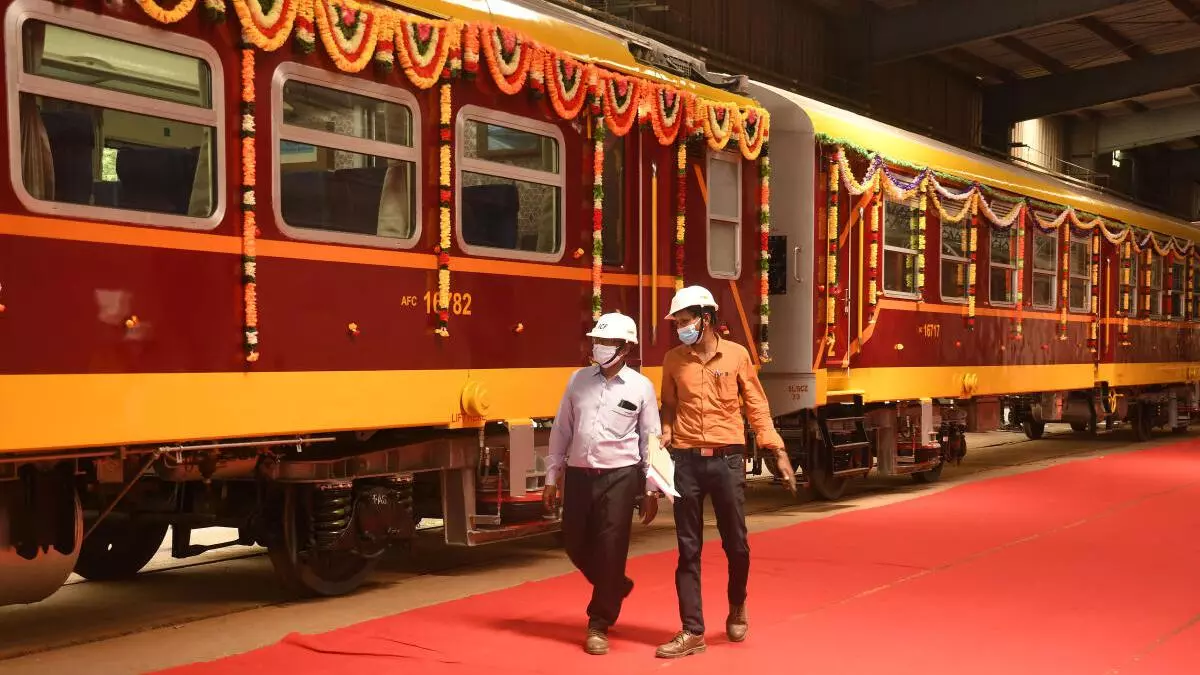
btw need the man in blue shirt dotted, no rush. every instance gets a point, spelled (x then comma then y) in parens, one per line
(598, 448)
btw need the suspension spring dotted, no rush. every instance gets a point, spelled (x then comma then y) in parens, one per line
(333, 509)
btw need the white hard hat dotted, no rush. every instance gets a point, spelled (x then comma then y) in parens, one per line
(691, 296)
(615, 326)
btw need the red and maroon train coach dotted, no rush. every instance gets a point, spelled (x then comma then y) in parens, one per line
(319, 269)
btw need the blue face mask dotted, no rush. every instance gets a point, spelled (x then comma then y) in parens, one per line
(689, 334)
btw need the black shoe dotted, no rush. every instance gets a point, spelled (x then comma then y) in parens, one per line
(596, 643)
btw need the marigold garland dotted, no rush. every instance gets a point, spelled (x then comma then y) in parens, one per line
(621, 99)
(1093, 342)
(267, 29)
(156, 12)
(509, 56)
(720, 124)
(680, 209)
(667, 111)
(754, 128)
(920, 217)
(567, 83)
(249, 228)
(972, 261)
(305, 34)
(445, 195)
(597, 216)
(385, 42)
(873, 244)
(1127, 284)
(764, 265)
(1064, 281)
(424, 47)
(214, 10)
(831, 271)
(1018, 325)
(349, 30)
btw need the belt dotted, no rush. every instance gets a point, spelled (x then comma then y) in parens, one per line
(598, 472)
(722, 451)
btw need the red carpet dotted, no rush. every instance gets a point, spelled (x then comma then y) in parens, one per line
(1089, 567)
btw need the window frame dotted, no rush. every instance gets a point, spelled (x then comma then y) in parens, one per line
(736, 160)
(1135, 287)
(1011, 267)
(622, 210)
(943, 257)
(1181, 293)
(477, 113)
(912, 206)
(1156, 291)
(1034, 272)
(86, 21)
(320, 77)
(1086, 275)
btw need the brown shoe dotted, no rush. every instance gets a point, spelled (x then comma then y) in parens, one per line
(737, 624)
(596, 643)
(684, 644)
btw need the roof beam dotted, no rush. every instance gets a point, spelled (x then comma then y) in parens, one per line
(1149, 128)
(937, 25)
(1187, 8)
(1032, 54)
(1053, 94)
(980, 66)
(1113, 37)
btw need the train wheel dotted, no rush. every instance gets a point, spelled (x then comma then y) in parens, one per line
(41, 525)
(826, 486)
(309, 572)
(119, 549)
(1033, 430)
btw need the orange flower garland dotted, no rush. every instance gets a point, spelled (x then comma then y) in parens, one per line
(680, 209)
(621, 97)
(754, 131)
(424, 48)
(509, 56)
(719, 124)
(567, 84)
(764, 264)
(156, 12)
(667, 112)
(267, 30)
(249, 228)
(349, 31)
(444, 201)
(597, 218)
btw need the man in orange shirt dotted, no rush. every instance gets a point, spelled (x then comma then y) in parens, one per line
(706, 383)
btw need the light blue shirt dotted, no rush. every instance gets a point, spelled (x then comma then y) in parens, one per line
(594, 431)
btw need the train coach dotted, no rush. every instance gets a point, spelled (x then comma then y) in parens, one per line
(909, 279)
(318, 269)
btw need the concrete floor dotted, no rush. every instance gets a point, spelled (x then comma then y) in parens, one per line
(227, 601)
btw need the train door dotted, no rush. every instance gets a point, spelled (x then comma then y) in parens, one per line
(789, 378)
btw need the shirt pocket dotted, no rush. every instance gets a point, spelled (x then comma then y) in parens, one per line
(618, 422)
(726, 387)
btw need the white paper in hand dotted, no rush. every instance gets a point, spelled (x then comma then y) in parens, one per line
(661, 472)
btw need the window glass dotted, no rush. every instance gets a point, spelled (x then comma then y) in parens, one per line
(954, 261)
(613, 225)
(725, 218)
(78, 150)
(1002, 275)
(899, 249)
(510, 186)
(116, 65)
(326, 187)
(1045, 270)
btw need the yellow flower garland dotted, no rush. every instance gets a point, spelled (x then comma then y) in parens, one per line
(156, 12)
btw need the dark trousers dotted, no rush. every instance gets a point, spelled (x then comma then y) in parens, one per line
(597, 517)
(724, 480)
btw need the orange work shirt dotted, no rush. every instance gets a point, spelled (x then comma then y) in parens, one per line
(702, 402)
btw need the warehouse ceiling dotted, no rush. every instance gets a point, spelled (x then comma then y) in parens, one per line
(1131, 66)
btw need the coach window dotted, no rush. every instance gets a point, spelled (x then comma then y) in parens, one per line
(346, 165)
(900, 249)
(1045, 270)
(1002, 278)
(1175, 292)
(613, 225)
(1156, 285)
(724, 215)
(1135, 283)
(954, 261)
(510, 178)
(111, 124)
(1079, 292)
